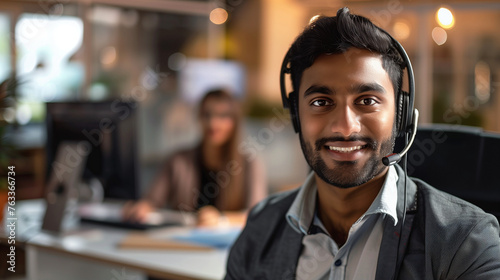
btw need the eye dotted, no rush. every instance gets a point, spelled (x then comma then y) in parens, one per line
(321, 103)
(368, 101)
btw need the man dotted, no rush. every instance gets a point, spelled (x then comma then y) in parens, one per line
(345, 221)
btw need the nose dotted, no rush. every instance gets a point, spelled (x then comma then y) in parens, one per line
(345, 121)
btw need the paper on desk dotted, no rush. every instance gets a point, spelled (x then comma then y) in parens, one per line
(220, 238)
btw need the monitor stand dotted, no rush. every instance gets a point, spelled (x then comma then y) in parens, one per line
(61, 214)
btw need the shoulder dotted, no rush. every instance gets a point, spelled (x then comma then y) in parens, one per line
(267, 216)
(275, 205)
(267, 244)
(459, 236)
(446, 208)
(181, 163)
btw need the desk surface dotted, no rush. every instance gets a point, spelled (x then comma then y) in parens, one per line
(100, 243)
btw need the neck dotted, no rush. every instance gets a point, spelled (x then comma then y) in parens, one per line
(339, 208)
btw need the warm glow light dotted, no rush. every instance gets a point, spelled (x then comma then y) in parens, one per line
(401, 30)
(439, 35)
(445, 18)
(218, 16)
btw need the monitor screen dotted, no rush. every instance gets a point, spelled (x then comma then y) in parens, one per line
(107, 133)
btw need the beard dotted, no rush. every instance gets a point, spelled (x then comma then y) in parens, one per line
(348, 174)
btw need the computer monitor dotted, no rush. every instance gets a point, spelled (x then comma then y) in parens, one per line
(109, 129)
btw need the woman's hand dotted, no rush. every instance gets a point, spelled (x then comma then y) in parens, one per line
(209, 216)
(136, 211)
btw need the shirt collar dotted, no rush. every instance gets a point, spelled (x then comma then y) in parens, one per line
(302, 211)
(387, 199)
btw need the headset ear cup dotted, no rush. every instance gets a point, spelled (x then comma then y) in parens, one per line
(294, 112)
(403, 110)
(399, 113)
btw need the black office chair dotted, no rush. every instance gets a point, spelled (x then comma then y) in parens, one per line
(463, 161)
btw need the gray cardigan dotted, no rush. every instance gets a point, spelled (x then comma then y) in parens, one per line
(444, 237)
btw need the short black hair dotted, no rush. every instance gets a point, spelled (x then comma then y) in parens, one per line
(334, 35)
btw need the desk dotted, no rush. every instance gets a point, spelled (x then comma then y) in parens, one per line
(91, 252)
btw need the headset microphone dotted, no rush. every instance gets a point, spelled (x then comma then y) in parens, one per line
(396, 157)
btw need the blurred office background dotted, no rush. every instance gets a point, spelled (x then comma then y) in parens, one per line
(163, 54)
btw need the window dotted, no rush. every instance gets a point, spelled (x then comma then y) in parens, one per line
(48, 68)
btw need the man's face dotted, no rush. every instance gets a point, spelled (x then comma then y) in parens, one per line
(347, 112)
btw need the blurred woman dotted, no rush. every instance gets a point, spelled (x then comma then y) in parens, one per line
(212, 178)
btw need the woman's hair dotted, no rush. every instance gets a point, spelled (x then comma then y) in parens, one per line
(231, 195)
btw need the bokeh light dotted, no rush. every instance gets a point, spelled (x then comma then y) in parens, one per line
(401, 30)
(445, 18)
(108, 56)
(439, 35)
(218, 16)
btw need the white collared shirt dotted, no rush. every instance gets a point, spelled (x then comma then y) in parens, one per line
(321, 258)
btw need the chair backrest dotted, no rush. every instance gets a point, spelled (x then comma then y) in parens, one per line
(463, 161)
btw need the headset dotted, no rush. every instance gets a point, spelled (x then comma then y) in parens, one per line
(406, 116)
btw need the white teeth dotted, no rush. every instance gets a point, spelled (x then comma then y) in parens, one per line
(345, 149)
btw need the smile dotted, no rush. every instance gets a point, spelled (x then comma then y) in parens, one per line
(345, 149)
